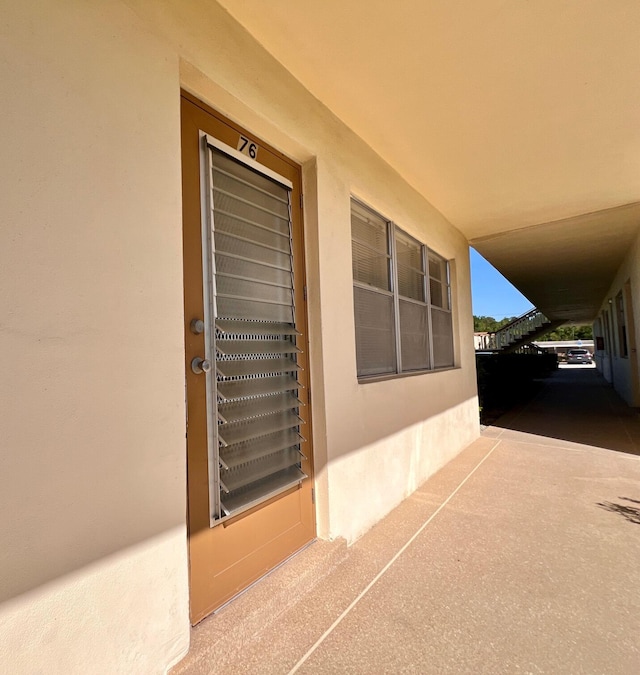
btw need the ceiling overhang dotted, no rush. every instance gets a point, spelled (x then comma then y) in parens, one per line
(518, 120)
(565, 267)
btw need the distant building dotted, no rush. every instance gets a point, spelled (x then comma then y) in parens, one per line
(482, 341)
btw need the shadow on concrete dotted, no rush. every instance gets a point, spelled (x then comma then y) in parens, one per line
(631, 513)
(577, 405)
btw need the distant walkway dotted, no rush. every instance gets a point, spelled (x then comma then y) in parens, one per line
(576, 405)
(520, 556)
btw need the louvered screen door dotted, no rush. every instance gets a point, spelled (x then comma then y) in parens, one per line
(249, 459)
(251, 335)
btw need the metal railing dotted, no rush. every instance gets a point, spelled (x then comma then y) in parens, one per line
(519, 329)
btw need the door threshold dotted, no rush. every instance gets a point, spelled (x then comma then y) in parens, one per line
(216, 638)
(264, 577)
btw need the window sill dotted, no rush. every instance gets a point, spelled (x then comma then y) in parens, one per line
(399, 376)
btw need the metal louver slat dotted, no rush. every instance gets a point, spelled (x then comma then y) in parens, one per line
(234, 479)
(228, 166)
(237, 179)
(241, 453)
(242, 204)
(238, 246)
(255, 223)
(252, 231)
(236, 432)
(264, 405)
(246, 347)
(252, 269)
(249, 367)
(253, 290)
(243, 308)
(262, 491)
(230, 390)
(235, 326)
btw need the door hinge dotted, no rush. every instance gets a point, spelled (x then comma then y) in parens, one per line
(313, 495)
(309, 397)
(304, 292)
(301, 201)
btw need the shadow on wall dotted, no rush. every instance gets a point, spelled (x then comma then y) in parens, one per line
(93, 524)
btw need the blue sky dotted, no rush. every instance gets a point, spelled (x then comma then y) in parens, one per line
(492, 295)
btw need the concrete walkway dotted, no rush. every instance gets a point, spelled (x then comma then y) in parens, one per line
(520, 556)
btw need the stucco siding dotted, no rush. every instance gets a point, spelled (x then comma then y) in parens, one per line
(92, 478)
(621, 370)
(92, 484)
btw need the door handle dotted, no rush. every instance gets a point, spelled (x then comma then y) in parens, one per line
(197, 326)
(200, 366)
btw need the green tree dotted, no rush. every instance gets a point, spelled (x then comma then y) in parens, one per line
(487, 324)
(569, 333)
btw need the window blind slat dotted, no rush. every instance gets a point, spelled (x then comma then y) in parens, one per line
(408, 251)
(442, 338)
(370, 267)
(414, 335)
(410, 283)
(368, 228)
(375, 332)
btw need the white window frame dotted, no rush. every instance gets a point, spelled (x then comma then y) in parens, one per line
(392, 232)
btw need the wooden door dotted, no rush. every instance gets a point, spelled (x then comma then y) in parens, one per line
(249, 464)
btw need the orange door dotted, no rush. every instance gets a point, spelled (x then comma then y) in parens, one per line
(249, 454)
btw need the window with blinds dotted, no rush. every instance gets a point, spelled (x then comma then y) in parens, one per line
(402, 299)
(375, 316)
(252, 394)
(440, 300)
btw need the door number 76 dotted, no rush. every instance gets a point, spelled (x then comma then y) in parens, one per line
(246, 147)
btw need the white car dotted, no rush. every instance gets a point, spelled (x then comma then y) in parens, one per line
(579, 356)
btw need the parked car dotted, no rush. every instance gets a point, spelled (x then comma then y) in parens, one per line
(579, 356)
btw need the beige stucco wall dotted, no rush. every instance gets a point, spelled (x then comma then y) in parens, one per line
(92, 482)
(623, 372)
(384, 438)
(93, 563)
(374, 443)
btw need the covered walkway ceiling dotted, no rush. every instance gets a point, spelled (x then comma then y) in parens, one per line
(518, 119)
